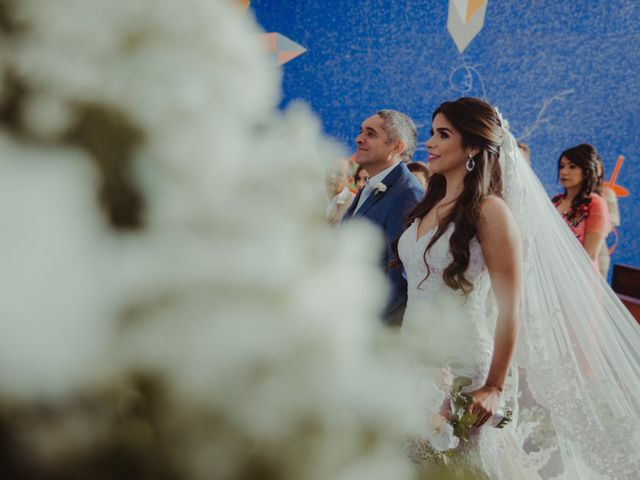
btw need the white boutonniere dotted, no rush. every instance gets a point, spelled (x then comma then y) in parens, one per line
(380, 187)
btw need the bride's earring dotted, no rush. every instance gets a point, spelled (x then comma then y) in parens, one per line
(470, 163)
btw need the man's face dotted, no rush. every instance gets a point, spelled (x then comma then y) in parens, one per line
(374, 146)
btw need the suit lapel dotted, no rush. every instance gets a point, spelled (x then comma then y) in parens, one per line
(353, 206)
(374, 197)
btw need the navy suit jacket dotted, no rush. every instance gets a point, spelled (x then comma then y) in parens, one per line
(389, 211)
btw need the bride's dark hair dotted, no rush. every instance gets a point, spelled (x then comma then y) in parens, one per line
(480, 128)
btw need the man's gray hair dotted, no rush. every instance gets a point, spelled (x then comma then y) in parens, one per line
(400, 127)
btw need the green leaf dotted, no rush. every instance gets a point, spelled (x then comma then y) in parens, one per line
(468, 419)
(459, 383)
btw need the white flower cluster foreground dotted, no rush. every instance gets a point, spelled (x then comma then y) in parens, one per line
(231, 293)
(432, 390)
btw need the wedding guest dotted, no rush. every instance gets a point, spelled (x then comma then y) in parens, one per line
(582, 209)
(360, 178)
(610, 197)
(420, 171)
(386, 142)
(340, 197)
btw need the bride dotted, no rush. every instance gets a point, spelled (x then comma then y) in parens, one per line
(497, 286)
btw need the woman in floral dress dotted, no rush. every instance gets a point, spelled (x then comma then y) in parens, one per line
(583, 210)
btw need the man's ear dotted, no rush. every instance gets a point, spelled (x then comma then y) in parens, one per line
(399, 147)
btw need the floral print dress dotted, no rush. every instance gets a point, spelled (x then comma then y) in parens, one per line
(591, 215)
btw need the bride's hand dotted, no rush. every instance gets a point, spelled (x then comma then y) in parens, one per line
(486, 401)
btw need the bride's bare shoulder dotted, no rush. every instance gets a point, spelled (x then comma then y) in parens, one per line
(495, 218)
(493, 207)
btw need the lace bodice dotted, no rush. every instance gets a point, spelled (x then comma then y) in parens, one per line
(411, 251)
(446, 324)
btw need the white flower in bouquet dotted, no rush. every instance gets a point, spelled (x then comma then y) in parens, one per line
(441, 434)
(444, 379)
(433, 400)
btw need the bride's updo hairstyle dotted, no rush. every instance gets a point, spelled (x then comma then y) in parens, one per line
(480, 127)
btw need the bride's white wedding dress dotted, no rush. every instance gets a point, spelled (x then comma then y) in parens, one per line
(577, 412)
(447, 329)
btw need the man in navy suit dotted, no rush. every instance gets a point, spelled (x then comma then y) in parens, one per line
(387, 140)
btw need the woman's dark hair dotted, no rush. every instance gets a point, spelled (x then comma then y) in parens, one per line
(359, 168)
(481, 129)
(599, 174)
(586, 158)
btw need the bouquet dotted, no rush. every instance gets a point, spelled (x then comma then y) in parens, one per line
(462, 420)
(452, 423)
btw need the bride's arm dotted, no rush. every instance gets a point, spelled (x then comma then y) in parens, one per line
(501, 246)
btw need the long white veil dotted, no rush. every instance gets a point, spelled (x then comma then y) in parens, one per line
(579, 347)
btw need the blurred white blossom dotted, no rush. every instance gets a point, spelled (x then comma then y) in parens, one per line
(161, 217)
(440, 434)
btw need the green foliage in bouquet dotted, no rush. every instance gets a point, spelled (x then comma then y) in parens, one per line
(460, 419)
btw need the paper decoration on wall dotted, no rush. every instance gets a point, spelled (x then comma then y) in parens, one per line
(466, 19)
(282, 49)
(619, 190)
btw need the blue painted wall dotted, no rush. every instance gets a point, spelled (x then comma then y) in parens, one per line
(562, 72)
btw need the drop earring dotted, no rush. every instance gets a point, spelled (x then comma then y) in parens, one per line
(470, 163)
